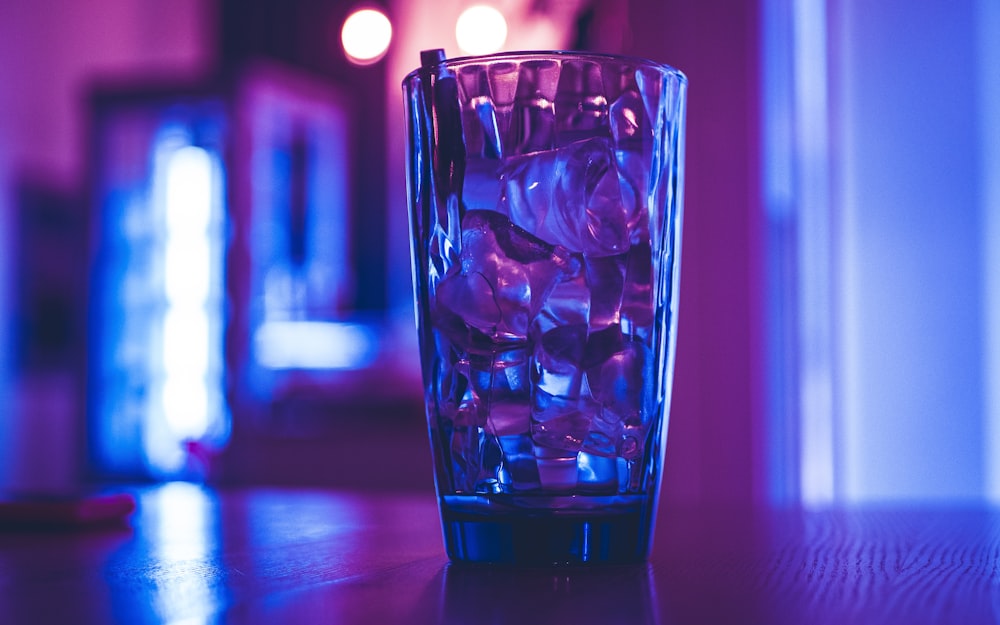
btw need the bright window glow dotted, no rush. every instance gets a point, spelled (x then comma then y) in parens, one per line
(365, 36)
(481, 29)
(812, 149)
(313, 345)
(186, 368)
(186, 277)
(989, 40)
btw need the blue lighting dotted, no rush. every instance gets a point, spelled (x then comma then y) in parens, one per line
(314, 345)
(187, 182)
(801, 424)
(158, 363)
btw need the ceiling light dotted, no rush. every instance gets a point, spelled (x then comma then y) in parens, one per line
(481, 29)
(365, 36)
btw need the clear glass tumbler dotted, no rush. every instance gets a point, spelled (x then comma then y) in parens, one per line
(545, 195)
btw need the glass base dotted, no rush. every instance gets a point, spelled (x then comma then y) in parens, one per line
(475, 530)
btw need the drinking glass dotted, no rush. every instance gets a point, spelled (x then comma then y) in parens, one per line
(545, 200)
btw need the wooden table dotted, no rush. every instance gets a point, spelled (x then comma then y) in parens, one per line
(195, 556)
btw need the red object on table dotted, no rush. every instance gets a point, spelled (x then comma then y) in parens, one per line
(65, 510)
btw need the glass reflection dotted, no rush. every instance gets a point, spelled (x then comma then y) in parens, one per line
(608, 595)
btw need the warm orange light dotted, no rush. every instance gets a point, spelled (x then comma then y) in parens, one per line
(365, 36)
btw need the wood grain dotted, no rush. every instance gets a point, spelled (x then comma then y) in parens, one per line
(304, 556)
(857, 565)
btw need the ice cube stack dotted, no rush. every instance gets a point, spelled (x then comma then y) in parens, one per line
(542, 269)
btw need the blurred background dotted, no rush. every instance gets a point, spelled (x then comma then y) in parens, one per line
(176, 174)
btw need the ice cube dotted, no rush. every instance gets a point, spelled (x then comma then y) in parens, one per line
(597, 474)
(560, 337)
(629, 122)
(507, 238)
(503, 277)
(508, 417)
(559, 422)
(618, 374)
(602, 345)
(619, 382)
(471, 295)
(567, 305)
(557, 469)
(460, 415)
(500, 380)
(605, 434)
(637, 298)
(560, 351)
(456, 397)
(605, 280)
(634, 138)
(633, 178)
(570, 196)
(463, 338)
(518, 469)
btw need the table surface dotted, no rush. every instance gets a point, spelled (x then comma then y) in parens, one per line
(199, 556)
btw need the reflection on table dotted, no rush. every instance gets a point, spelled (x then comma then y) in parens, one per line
(195, 555)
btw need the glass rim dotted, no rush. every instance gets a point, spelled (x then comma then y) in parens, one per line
(528, 55)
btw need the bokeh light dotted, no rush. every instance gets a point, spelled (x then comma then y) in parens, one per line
(365, 36)
(481, 29)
